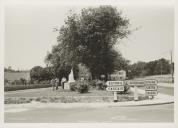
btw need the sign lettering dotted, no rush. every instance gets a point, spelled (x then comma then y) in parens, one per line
(135, 83)
(151, 87)
(151, 82)
(115, 83)
(152, 93)
(115, 88)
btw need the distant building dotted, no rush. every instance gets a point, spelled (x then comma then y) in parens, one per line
(118, 75)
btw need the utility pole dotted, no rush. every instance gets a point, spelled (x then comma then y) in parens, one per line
(171, 68)
(161, 69)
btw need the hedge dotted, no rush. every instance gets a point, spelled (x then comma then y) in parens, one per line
(23, 87)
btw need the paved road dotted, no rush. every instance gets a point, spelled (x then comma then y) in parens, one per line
(166, 90)
(156, 113)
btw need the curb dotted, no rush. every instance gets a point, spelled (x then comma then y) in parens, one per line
(135, 105)
(83, 105)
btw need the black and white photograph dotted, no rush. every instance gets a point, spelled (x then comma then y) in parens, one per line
(89, 62)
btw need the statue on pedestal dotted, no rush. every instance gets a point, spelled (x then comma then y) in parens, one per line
(71, 79)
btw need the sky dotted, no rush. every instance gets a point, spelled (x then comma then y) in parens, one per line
(29, 32)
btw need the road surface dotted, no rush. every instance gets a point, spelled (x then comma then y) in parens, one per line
(156, 113)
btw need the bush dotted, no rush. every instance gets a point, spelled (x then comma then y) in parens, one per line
(23, 81)
(93, 83)
(82, 86)
(73, 86)
(45, 82)
(126, 89)
(100, 85)
(17, 82)
(84, 72)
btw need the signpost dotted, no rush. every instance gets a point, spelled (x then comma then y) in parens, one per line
(118, 86)
(115, 86)
(151, 88)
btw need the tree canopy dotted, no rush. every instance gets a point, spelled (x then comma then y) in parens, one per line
(156, 67)
(88, 38)
(39, 73)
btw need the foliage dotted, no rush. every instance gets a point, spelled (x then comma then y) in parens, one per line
(73, 86)
(88, 38)
(156, 67)
(5, 81)
(35, 73)
(23, 81)
(138, 68)
(38, 73)
(84, 72)
(9, 69)
(126, 90)
(100, 85)
(82, 86)
(93, 83)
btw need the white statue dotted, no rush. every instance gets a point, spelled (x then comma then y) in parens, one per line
(71, 76)
(71, 79)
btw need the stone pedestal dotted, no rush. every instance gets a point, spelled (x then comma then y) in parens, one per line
(67, 86)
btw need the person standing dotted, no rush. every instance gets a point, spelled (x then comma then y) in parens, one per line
(63, 81)
(53, 83)
(56, 83)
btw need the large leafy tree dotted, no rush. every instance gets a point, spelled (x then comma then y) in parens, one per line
(88, 38)
(35, 73)
(39, 73)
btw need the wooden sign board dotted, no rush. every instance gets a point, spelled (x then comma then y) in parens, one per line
(152, 93)
(136, 83)
(115, 83)
(151, 87)
(115, 88)
(151, 82)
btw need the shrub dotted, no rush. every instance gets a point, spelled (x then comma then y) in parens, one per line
(73, 86)
(84, 72)
(82, 86)
(45, 82)
(31, 81)
(17, 82)
(100, 85)
(93, 83)
(126, 89)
